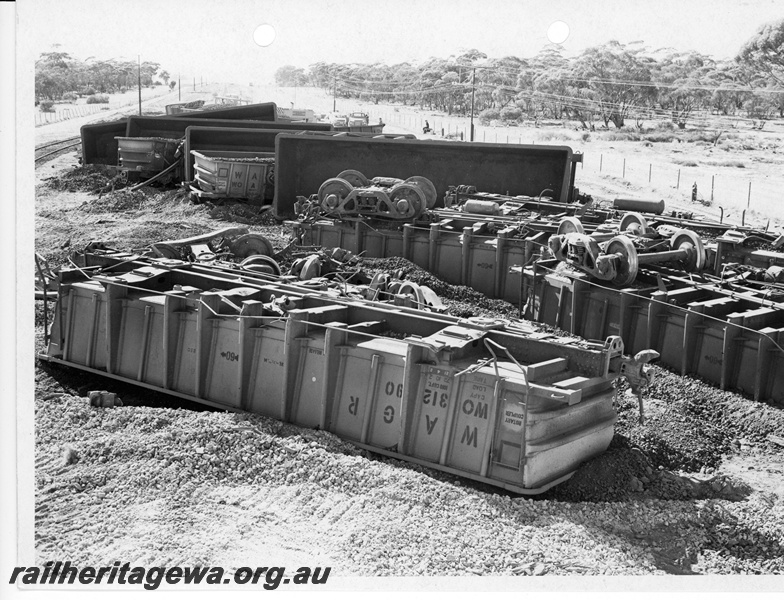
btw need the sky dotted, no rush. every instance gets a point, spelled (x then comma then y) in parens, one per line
(214, 39)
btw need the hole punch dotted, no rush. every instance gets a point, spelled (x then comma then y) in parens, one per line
(264, 35)
(558, 32)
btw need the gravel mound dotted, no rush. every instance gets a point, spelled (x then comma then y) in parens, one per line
(461, 301)
(87, 178)
(690, 424)
(241, 212)
(161, 486)
(121, 200)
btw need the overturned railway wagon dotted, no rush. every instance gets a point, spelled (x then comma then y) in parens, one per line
(492, 401)
(99, 145)
(727, 328)
(728, 331)
(712, 308)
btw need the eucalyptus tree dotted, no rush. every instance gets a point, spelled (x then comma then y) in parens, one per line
(289, 75)
(764, 51)
(620, 77)
(55, 74)
(684, 82)
(549, 74)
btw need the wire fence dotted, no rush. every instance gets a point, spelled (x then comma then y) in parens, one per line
(65, 112)
(723, 186)
(721, 189)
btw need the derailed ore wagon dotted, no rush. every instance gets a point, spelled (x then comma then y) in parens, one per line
(711, 307)
(727, 329)
(493, 401)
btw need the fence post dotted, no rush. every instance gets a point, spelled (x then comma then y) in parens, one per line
(713, 178)
(624, 168)
(601, 160)
(650, 167)
(748, 202)
(678, 185)
(484, 135)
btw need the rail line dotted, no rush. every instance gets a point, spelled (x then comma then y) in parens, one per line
(45, 151)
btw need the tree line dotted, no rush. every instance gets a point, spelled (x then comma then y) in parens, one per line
(59, 76)
(612, 83)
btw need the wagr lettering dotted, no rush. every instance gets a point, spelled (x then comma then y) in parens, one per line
(478, 410)
(389, 414)
(272, 361)
(433, 397)
(430, 424)
(318, 351)
(469, 436)
(392, 390)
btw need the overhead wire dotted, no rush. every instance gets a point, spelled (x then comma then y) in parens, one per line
(605, 80)
(573, 102)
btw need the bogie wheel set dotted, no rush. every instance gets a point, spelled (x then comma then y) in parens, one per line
(352, 194)
(618, 259)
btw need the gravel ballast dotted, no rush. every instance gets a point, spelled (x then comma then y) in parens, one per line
(173, 486)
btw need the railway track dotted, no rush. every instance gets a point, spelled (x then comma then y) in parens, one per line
(52, 149)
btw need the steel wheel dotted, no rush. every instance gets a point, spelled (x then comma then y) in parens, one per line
(261, 263)
(355, 178)
(412, 290)
(683, 239)
(570, 225)
(634, 223)
(409, 200)
(627, 265)
(251, 244)
(427, 187)
(332, 192)
(311, 268)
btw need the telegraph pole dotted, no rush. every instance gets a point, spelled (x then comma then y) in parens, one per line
(179, 89)
(473, 85)
(334, 92)
(139, 58)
